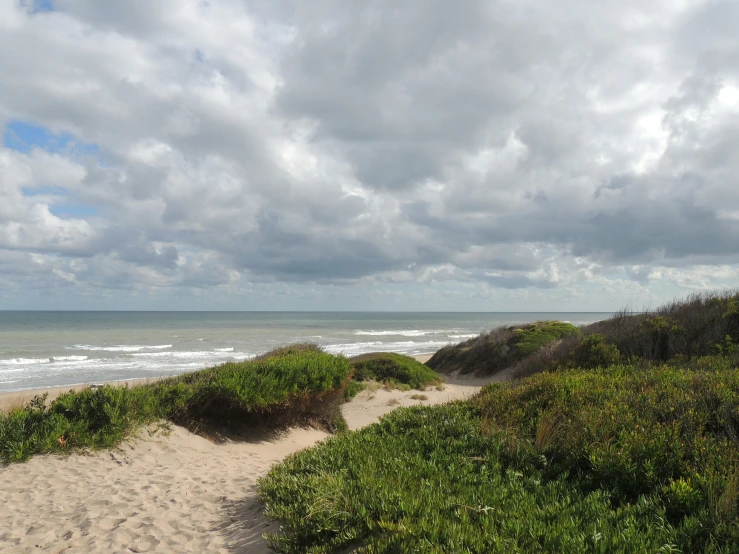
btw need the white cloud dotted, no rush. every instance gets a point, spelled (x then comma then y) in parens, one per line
(500, 146)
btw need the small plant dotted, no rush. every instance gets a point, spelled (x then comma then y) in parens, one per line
(394, 370)
(353, 389)
(594, 352)
(419, 397)
(529, 338)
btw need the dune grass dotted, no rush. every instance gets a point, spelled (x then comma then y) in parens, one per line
(699, 325)
(624, 460)
(289, 386)
(394, 370)
(500, 348)
(628, 442)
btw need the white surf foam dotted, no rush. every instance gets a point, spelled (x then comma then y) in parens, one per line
(119, 348)
(400, 332)
(176, 354)
(25, 361)
(402, 347)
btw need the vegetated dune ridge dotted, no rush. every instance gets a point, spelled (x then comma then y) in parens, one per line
(168, 490)
(699, 325)
(627, 443)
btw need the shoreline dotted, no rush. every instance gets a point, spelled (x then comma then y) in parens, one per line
(15, 399)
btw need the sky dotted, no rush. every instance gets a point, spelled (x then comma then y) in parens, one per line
(486, 155)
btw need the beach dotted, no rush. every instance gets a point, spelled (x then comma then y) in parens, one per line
(168, 490)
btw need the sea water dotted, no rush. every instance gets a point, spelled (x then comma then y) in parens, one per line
(46, 349)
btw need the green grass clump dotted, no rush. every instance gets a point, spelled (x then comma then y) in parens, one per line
(617, 459)
(500, 348)
(694, 326)
(260, 385)
(92, 418)
(429, 480)
(353, 389)
(396, 370)
(293, 385)
(662, 431)
(529, 338)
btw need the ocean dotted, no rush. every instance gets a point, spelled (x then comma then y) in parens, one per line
(46, 349)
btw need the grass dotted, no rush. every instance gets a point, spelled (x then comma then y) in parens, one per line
(628, 443)
(394, 370)
(293, 385)
(699, 325)
(626, 460)
(491, 352)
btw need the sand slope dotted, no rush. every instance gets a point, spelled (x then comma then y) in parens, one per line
(166, 491)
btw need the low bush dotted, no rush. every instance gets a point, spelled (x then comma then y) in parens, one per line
(427, 479)
(692, 326)
(593, 351)
(396, 370)
(619, 459)
(293, 385)
(699, 325)
(663, 431)
(353, 389)
(500, 348)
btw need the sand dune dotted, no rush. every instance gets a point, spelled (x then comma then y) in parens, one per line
(168, 490)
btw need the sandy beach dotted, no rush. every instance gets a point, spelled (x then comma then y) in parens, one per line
(167, 490)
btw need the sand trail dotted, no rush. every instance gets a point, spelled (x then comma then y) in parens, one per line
(168, 490)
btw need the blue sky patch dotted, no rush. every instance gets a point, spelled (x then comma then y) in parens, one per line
(24, 137)
(64, 206)
(44, 191)
(36, 6)
(73, 210)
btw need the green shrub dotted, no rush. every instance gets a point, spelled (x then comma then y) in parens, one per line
(500, 348)
(684, 327)
(530, 338)
(428, 480)
(396, 370)
(622, 459)
(593, 351)
(665, 432)
(290, 386)
(353, 389)
(699, 325)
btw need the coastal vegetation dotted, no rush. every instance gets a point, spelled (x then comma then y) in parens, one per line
(394, 370)
(500, 348)
(635, 451)
(295, 385)
(619, 437)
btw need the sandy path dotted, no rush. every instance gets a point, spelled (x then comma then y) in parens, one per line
(176, 493)
(166, 491)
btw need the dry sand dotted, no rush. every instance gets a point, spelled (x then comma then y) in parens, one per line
(167, 490)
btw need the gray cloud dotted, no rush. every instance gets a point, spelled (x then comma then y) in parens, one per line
(514, 145)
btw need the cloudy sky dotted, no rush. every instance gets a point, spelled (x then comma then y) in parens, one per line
(493, 155)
